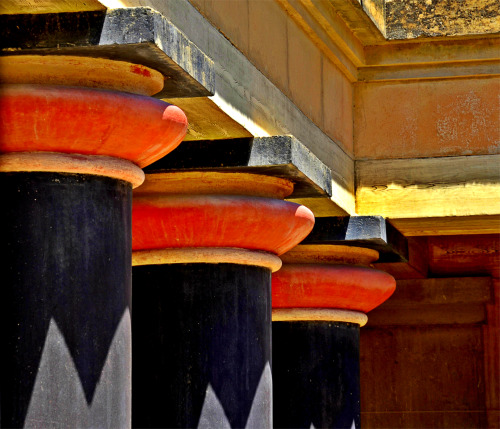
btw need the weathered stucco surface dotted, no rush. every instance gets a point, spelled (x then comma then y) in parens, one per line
(426, 118)
(408, 19)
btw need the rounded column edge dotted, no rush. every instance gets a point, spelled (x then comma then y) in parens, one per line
(319, 314)
(206, 255)
(72, 163)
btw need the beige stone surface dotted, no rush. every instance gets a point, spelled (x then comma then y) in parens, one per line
(231, 18)
(427, 118)
(337, 106)
(268, 46)
(304, 68)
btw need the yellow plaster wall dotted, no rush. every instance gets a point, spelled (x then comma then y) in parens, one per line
(426, 118)
(268, 41)
(304, 68)
(274, 43)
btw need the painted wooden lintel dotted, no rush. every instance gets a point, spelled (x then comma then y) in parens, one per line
(453, 187)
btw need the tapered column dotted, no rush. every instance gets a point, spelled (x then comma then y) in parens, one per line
(205, 245)
(319, 304)
(72, 144)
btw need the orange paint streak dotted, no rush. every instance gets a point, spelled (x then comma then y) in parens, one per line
(218, 221)
(330, 286)
(90, 122)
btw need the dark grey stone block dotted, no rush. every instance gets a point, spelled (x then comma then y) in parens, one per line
(280, 156)
(372, 232)
(138, 35)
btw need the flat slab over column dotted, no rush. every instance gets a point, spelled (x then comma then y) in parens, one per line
(279, 156)
(319, 304)
(205, 245)
(67, 190)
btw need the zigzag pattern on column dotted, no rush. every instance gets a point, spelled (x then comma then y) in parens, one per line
(214, 416)
(71, 407)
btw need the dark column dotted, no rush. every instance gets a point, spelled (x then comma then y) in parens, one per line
(65, 300)
(318, 308)
(210, 363)
(69, 157)
(316, 367)
(204, 249)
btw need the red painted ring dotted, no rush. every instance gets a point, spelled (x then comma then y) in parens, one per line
(218, 221)
(331, 286)
(89, 122)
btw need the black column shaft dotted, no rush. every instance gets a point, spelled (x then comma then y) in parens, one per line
(201, 346)
(316, 374)
(65, 300)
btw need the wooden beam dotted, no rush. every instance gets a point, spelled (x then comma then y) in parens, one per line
(455, 290)
(429, 187)
(465, 255)
(440, 314)
(456, 225)
(435, 301)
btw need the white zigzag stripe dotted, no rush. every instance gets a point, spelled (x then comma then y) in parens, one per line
(111, 405)
(213, 415)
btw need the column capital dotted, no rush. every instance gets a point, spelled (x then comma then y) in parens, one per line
(55, 118)
(317, 284)
(206, 210)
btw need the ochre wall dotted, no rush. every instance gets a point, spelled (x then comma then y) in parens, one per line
(269, 38)
(426, 118)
